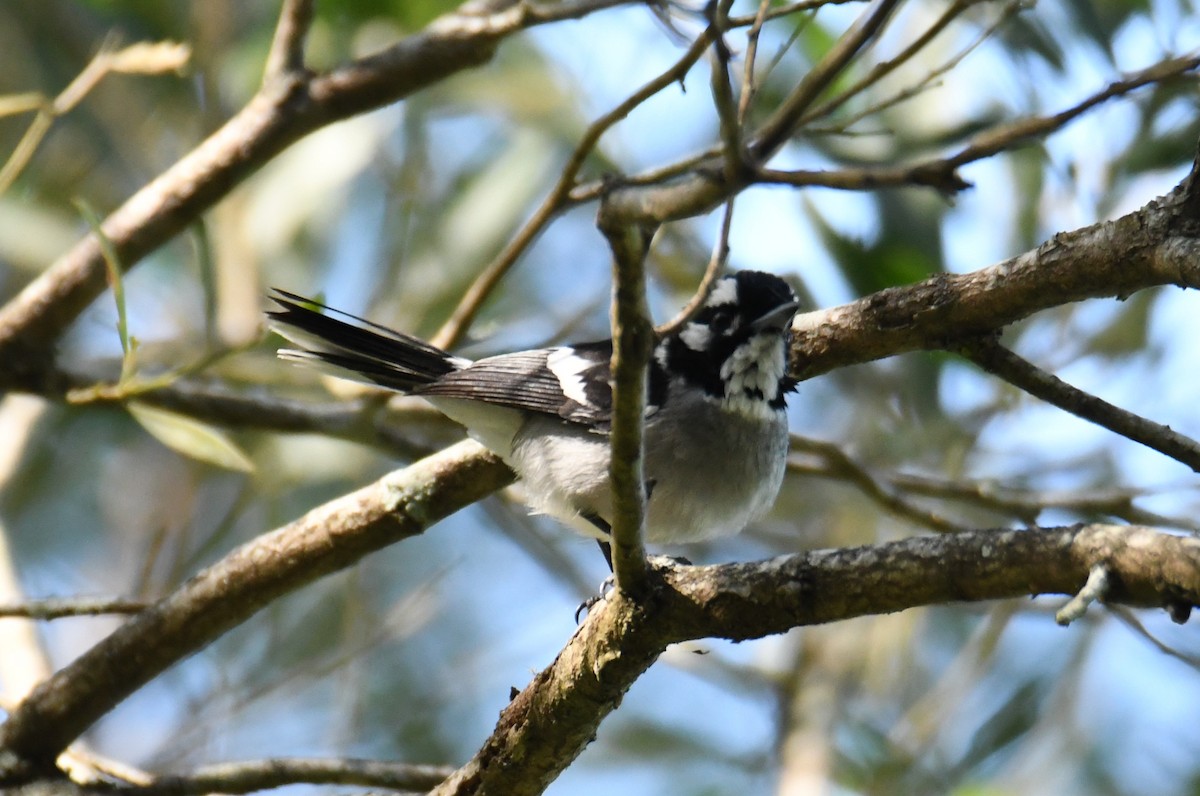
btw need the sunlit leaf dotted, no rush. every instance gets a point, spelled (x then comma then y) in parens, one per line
(190, 437)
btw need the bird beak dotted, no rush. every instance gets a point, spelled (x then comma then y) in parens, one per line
(777, 318)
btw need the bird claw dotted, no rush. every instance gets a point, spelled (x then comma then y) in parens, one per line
(605, 589)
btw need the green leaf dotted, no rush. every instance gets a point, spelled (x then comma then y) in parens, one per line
(112, 264)
(191, 437)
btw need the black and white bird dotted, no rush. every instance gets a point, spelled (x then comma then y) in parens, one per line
(715, 428)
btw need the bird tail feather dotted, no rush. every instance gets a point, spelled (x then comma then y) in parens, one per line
(351, 347)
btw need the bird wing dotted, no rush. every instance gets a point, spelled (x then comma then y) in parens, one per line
(569, 382)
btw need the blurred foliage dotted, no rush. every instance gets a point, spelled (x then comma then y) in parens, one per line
(411, 655)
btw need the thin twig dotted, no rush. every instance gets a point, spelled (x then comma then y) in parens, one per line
(1027, 505)
(143, 57)
(1004, 136)
(721, 86)
(845, 466)
(560, 197)
(988, 354)
(926, 82)
(61, 607)
(934, 174)
(884, 68)
(1125, 615)
(287, 48)
(716, 264)
(748, 85)
(782, 123)
(784, 10)
(254, 775)
(1095, 589)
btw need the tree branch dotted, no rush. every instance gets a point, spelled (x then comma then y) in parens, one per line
(62, 607)
(782, 123)
(287, 48)
(546, 726)
(633, 340)
(559, 197)
(1147, 248)
(328, 538)
(994, 358)
(248, 776)
(284, 110)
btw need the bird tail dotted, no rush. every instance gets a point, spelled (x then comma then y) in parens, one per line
(354, 348)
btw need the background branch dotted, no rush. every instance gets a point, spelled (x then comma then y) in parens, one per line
(283, 111)
(254, 775)
(987, 353)
(326, 539)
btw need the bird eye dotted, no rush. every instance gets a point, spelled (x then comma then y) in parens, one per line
(722, 317)
(728, 320)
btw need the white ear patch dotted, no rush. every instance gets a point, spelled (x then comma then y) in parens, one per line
(723, 292)
(696, 336)
(568, 369)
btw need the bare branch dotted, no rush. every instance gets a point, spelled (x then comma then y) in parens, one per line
(1028, 504)
(842, 464)
(652, 196)
(782, 123)
(559, 198)
(252, 775)
(59, 608)
(328, 538)
(287, 48)
(884, 68)
(716, 264)
(1146, 248)
(784, 10)
(546, 726)
(633, 340)
(994, 358)
(284, 110)
(1005, 136)
(926, 82)
(933, 174)
(1126, 616)
(721, 86)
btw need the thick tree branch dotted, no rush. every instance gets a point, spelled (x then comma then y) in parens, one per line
(328, 538)
(1150, 247)
(545, 727)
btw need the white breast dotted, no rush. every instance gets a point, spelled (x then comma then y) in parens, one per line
(712, 471)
